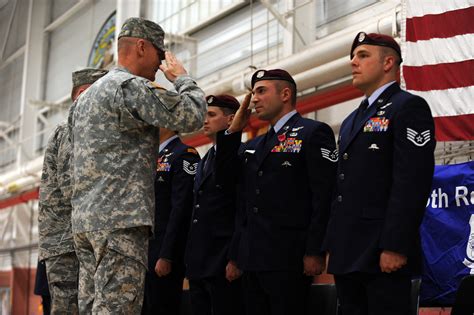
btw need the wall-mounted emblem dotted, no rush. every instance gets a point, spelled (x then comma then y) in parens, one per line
(102, 52)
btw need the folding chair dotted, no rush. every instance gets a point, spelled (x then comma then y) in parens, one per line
(415, 296)
(323, 299)
(464, 301)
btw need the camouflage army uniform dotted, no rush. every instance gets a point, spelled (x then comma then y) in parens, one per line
(115, 144)
(56, 245)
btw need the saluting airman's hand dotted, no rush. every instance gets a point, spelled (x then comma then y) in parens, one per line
(242, 115)
(173, 68)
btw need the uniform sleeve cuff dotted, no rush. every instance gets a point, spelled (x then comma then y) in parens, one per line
(183, 80)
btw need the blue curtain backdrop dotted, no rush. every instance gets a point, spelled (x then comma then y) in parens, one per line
(447, 233)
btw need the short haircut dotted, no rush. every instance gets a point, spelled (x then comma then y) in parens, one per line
(228, 111)
(387, 51)
(280, 85)
(125, 42)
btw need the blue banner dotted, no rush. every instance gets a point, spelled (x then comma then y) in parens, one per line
(447, 233)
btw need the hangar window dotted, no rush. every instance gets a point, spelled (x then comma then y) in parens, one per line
(180, 16)
(240, 36)
(330, 10)
(220, 36)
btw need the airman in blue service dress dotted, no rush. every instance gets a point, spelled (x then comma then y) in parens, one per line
(287, 178)
(213, 221)
(176, 168)
(384, 177)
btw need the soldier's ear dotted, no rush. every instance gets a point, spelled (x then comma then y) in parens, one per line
(388, 63)
(78, 91)
(229, 119)
(140, 47)
(285, 94)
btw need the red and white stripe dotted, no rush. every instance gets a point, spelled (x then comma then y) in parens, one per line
(438, 53)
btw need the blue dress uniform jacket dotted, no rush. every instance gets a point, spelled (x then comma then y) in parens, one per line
(213, 218)
(286, 192)
(176, 168)
(384, 177)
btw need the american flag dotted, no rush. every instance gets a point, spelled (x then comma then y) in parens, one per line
(438, 52)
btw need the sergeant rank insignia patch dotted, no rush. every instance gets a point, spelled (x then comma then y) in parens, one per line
(418, 139)
(330, 155)
(190, 168)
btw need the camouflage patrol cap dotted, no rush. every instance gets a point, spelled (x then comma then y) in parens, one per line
(144, 29)
(87, 76)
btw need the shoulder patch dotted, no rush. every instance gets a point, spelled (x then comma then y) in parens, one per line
(168, 99)
(190, 168)
(192, 150)
(418, 138)
(155, 85)
(332, 156)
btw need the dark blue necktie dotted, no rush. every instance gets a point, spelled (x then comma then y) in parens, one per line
(360, 113)
(269, 135)
(209, 161)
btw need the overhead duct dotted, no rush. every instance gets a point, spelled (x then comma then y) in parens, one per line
(22, 177)
(23, 183)
(317, 76)
(323, 74)
(321, 53)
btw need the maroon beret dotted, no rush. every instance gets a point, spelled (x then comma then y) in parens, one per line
(377, 40)
(274, 74)
(223, 100)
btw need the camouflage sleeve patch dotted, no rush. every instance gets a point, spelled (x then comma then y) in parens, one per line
(167, 98)
(183, 111)
(156, 85)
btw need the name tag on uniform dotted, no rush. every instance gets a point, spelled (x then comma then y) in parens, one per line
(376, 124)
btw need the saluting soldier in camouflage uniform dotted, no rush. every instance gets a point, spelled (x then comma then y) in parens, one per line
(56, 244)
(115, 140)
